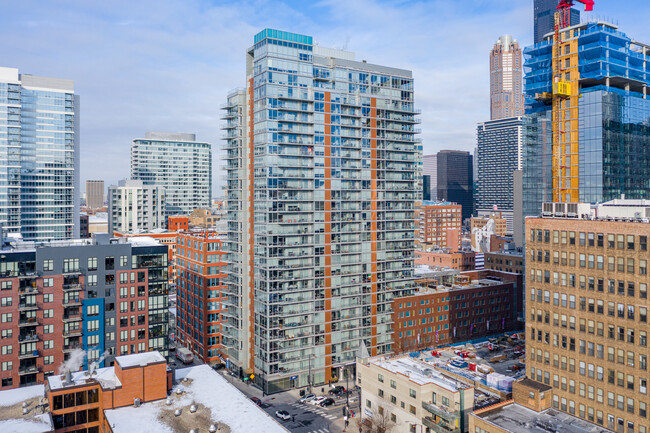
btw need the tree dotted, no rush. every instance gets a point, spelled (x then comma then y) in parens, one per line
(379, 422)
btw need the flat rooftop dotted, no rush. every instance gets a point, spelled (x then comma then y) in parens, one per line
(36, 420)
(216, 399)
(105, 376)
(418, 372)
(519, 419)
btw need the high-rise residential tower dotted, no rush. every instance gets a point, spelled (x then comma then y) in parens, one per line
(134, 207)
(499, 153)
(95, 194)
(544, 16)
(456, 179)
(39, 156)
(178, 163)
(586, 138)
(322, 162)
(506, 79)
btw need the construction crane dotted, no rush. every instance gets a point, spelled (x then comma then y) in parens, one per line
(566, 91)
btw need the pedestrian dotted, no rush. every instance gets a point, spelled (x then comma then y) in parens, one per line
(293, 418)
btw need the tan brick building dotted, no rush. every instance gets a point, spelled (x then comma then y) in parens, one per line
(461, 260)
(441, 224)
(587, 316)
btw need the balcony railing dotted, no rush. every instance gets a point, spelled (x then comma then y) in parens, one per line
(29, 370)
(30, 354)
(439, 428)
(28, 322)
(441, 411)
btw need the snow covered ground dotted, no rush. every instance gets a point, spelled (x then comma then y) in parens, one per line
(225, 402)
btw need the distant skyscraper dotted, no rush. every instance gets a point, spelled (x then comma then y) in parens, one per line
(321, 184)
(544, 16)
(39, 156)
(178, 163)
(506, 79)
(430, 168)
(499, 154)
(456, 180)
(95, 194)
(134, 207)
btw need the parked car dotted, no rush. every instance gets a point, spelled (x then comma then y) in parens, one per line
(219, 366)
(307, 397)
(327, 402)
(283, 414)
(337, 390)
(316, 401)
(257, 401)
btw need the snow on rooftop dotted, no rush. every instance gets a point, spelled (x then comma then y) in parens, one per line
(18, 395)
(225, 402)
(416, 371)
(105, 376)
(38, 424)
(143, 241)
(12, 420)
(139, 359)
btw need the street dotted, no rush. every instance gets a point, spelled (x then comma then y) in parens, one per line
(305, 418)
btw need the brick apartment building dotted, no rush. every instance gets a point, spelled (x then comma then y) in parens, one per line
(461, 260)
(505, 260)
(105, 296)
(441, 224)
(200, 265)
(587, 310)
(464, 307)
(78, 400)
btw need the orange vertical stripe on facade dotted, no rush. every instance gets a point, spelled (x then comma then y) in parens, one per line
(328, 238)
(373, 231)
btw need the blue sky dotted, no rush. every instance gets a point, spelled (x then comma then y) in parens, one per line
(160, 65)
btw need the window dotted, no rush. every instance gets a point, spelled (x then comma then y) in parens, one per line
(91, 280)
(92, 310)
(124, 261)
(380, 378)
(48, 265)
(393, 384)
(48, 298)
(412, 393)
(7, 366)
(6, 317)
(92, 263)
(109, 263)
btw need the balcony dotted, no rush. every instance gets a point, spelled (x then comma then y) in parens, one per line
(72, 332)
(27, 307)
(28, 290)
(26, 338)
(32, 321)
(439, 428)
(31, 354)
(73, 286)
(71, 317)
(71, 302)
(29, 370)
(440, 411)
(71, 346)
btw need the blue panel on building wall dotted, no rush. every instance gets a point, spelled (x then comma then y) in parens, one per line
(99, 302)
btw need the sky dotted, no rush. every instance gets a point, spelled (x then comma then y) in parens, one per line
(162, 65)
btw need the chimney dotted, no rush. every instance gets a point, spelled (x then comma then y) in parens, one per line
(68, 378)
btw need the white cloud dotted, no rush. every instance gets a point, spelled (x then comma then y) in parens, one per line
(167, 65)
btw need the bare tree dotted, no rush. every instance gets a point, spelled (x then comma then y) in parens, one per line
(379, 422)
